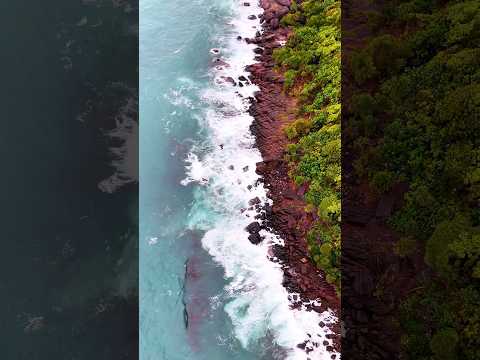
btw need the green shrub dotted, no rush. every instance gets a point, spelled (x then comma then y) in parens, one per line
(362, 66)
(444, 343)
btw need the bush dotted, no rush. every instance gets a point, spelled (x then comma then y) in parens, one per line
(444, 343)
(362, 66)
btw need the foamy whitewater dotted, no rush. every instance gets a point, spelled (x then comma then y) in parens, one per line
(222, 168)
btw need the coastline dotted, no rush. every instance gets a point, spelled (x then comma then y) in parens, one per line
(272, 109)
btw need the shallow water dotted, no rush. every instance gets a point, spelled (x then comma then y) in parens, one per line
(206, 292)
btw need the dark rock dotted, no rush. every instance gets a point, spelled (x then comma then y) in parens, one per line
(274, 23)
(252, 17)
(231, 167)
(254, 201)
(242, 78)
(282, 12)
(284, 2)
(268, 15)
(258, 51)
(245, 169)
(253, 227)
(255, 239)
(261, 216)
(246, 4)
(302, 345)
(239, 37)
(268, 210)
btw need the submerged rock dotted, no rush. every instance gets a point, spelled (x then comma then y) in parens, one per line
(229, 79)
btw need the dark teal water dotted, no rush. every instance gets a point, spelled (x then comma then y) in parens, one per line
(68, 262)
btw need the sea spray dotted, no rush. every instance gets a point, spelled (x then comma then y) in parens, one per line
(223, 169)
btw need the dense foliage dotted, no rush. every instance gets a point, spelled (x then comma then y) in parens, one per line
(311, 63)
(422, 122)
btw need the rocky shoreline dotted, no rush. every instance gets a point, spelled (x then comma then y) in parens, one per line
(272, 109)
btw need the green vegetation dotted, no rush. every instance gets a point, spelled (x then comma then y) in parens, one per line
(311, 64)
(421, 119)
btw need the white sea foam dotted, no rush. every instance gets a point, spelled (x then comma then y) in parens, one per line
(224, 169)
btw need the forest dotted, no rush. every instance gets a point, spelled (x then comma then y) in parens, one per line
(416, 121)
(419, 115)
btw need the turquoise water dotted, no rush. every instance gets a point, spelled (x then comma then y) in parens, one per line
(205, 291)
(176, 37)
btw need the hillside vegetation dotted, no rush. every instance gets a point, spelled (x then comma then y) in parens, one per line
(422, 125)
(311, 63)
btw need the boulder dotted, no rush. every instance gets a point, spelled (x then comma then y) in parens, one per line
(281, 12)
(274, 23)
(265, 4)
(254, 228)
(268, 15)
(255, 239)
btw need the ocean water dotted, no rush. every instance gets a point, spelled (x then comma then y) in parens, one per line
(206, 292)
